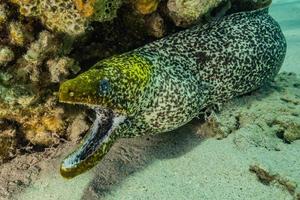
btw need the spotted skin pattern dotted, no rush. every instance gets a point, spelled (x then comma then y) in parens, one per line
(208, 65)
(165, 84)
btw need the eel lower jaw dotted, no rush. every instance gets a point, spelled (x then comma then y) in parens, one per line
(95, 144)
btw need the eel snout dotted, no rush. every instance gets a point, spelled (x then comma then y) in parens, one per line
(95, 144)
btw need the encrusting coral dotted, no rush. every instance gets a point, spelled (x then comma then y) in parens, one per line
(69, 16)
(30, 62)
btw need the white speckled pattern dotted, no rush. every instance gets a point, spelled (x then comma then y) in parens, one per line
(207, 65)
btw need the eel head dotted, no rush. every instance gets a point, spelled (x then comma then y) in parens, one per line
(111, 88)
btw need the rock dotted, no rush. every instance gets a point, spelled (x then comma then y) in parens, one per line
(266, 177)
(186, 12)
(273, 110)
(289, 126)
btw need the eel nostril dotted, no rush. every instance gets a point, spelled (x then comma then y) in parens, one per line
(71, 94)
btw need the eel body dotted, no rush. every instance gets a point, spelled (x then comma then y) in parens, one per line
(165, 84)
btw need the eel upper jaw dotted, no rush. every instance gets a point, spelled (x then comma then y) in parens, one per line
(95, 145)
(95, 107)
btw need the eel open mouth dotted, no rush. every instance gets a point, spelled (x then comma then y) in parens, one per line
(95, 144)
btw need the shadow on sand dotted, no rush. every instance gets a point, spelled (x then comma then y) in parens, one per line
(131, 155)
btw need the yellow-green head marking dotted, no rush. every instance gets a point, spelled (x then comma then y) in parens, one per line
(113, 83)
(112, 86)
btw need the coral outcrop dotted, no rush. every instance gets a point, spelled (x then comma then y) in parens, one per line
(31, 59)
(186, 12)
(69, 16)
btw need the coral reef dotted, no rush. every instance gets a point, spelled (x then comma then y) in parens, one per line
(69, 16)
(30, 62)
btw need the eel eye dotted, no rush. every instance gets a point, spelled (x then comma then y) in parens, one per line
(104, 86)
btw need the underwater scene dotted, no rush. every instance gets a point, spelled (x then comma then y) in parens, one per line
(149, 99)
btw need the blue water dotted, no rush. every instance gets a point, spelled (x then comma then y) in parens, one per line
(287, 13)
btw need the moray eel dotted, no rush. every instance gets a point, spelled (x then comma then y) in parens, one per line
(165, 84)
